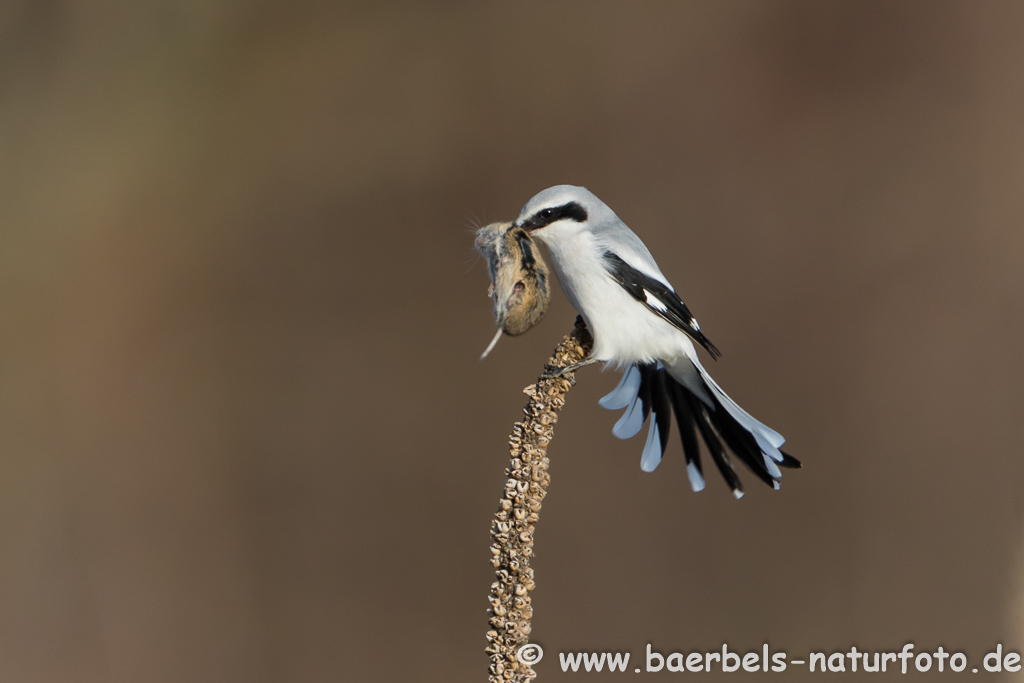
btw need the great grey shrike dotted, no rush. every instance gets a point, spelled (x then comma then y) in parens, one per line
(640, 324)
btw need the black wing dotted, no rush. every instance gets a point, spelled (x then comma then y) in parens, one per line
(658, 298)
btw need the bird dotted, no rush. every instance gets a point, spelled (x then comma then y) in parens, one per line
(519, 279)
(641, 325)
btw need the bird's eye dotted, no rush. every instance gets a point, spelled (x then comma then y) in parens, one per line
(547, 213)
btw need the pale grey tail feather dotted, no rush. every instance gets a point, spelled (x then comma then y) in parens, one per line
(625, 392)
(767, 438)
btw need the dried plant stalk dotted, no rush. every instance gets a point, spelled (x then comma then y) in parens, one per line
(517, 515)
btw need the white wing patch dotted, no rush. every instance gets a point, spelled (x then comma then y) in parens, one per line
(653, 301)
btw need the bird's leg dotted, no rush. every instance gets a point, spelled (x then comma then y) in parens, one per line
(553, 371)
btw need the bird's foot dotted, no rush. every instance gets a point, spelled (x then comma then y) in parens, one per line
(555, 371)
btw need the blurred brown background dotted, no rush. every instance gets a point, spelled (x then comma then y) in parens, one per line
(245, 435)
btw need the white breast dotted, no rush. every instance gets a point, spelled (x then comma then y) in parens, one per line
(625, 331)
